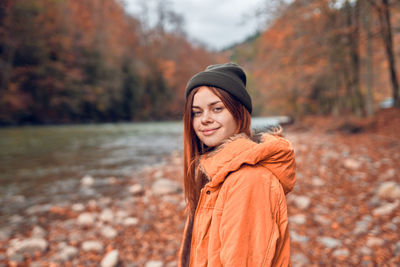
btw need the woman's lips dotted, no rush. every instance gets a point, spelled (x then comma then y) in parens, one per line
(209, 131)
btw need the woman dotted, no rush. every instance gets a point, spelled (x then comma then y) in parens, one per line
(235, 184)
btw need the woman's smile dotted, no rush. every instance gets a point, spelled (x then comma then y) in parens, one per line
(208, 132)
(212, 121)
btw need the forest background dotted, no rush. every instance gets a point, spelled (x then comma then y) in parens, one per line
(66, 61)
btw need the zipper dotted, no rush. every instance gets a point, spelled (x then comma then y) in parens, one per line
(194, 233)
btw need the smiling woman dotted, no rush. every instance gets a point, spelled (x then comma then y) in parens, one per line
(235, 182)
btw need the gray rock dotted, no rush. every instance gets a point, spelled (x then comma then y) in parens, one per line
(38, 232)
(300, 260)
(365, 250)
(108, 232)
(78, 207)
(302, 202)
(329, 242)
(110, 259)
(38, 209)
(86, 219)
(87, 180)
(298, 219)
(18, 258)
(316, 181)
(154, 264)
(165, 186)
(374, 242)
(322, 219)
(28, 246)
(5, 234)
(389, 189)
(295, 237)
(390, 173)
(352, 164)
(385, 209)
(158, 174)
(16, 219)
(67, 253)
(362, 225)
(92, 246)
(341, 253)
(397, 249)
(107, 215)
(136, 189)
(130, 221)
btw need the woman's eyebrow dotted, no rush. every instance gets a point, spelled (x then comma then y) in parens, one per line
(211, 104)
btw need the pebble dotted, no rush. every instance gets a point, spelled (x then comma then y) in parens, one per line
(165, 186)
(158, 174)
(385, 209)
(78, 207)
(108, 232)
(298, 219)
(131, 221)
(16, 258)
(38, 209)
(295, 237)
(5, 234)
(365, 250)
(87, 180)
(38, 232)
(352, 164)
(86, 219)
(300, 260)
(29, 246)
(322, 219)
(16, 219)
(390, 173)
(374, 242)
(329, 242)
(316, 181)
(389, 189)
(341, 253)
(154, 264)
(362, 225)
(92, 246)
(107, 215)
(302, 202)
(67, 253)
(397, 249)
(110, 259)
(136, 189)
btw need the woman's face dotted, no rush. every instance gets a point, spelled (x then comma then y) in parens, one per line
(212, 121)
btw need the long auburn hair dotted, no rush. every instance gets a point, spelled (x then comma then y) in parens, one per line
(194, 180)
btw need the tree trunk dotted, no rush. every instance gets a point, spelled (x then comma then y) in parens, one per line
(384, 16)
(369, 101)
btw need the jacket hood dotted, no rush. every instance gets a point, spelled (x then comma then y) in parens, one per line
(271, 151)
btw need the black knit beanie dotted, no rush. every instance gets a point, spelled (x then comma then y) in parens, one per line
(229, 77)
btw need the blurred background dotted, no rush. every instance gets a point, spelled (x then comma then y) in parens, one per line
(91, 98)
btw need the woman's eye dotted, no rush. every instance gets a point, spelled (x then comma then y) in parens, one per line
(217, 109)
(196, 113)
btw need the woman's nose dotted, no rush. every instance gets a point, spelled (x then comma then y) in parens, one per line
(206, 118)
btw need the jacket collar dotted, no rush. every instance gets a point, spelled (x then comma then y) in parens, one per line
(272, 152)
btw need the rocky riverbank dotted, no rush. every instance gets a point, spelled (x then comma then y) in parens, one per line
(344, 211)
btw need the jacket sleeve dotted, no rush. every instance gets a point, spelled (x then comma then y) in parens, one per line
(254, 223)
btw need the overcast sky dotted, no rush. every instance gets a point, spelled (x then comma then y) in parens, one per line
(216, 23)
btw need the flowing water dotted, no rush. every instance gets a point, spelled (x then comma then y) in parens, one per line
(44, 164)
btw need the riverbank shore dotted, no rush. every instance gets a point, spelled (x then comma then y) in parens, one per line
(344, 210)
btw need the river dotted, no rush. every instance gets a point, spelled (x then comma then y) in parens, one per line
(44, 164)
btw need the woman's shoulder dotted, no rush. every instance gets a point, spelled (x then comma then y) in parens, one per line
(253, 176)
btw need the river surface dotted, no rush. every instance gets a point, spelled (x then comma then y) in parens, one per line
(43, 164)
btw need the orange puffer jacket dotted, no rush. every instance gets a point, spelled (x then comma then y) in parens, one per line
(241, 217)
